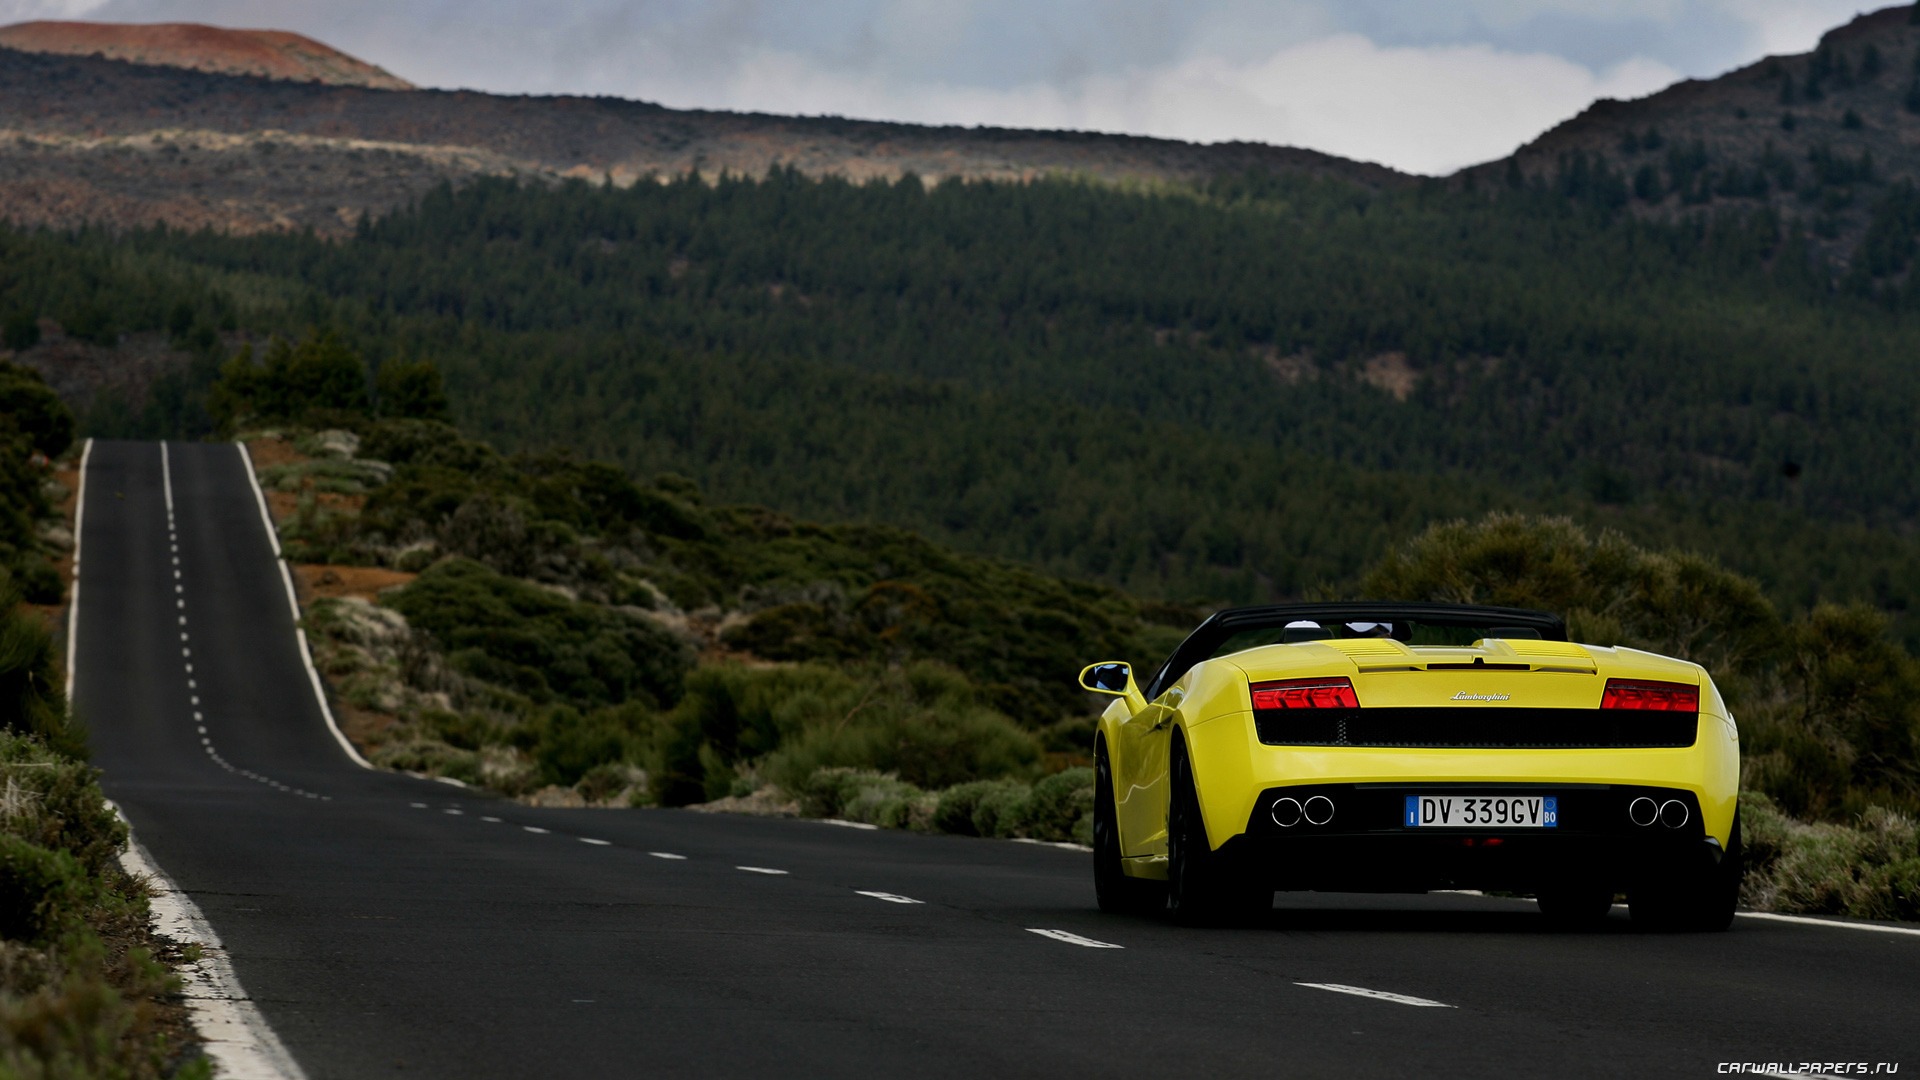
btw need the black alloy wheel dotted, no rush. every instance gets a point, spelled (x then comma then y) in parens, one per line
(1115, 892)
(1204, 887)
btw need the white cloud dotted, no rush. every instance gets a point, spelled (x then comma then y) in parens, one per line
(1428, 110)
(13, 11)
(1793, 26)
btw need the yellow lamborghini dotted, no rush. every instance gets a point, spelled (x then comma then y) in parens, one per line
(1406, 747)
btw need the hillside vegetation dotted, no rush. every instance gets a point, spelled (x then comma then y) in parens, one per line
(1311, 372)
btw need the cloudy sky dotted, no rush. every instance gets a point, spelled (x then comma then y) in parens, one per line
(1423, 85)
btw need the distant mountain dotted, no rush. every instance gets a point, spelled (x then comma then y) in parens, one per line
(86, 138)
(1818, 137)
(247, 131)
(273, 54)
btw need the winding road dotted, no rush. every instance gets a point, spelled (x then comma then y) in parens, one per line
(393, 927)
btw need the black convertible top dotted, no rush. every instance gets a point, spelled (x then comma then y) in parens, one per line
(1222, 625)
(1551, 627)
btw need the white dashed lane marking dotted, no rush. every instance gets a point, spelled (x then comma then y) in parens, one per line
(1378, 995)
(667, 855)
(536, 829)
(761, 870)
(1073, 939)
(891, 898)
(186, 651)
(591, 840)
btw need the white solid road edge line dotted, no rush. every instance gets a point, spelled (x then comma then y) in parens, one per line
(1378, 995)
(1811, 921)
(1073, 939)
(73, 595)
(238, 1038)
(293, 606)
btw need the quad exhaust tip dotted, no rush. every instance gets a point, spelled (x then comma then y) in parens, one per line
(1318, 810)
(1643, 811)
(1673, 813)
(1286, 812)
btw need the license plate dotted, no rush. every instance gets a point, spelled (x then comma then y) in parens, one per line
(1482, 812)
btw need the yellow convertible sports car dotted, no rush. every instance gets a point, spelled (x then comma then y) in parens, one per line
(1404, 747)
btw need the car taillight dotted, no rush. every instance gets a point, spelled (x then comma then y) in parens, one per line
(1650, 696)
(1305, 694)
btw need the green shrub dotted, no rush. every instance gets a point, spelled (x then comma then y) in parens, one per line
(1866, 870)
(858, 795)
(567, 744)
(1893, 891)
(32, 701)
(42, 893)
(920, 723)
(954, 811)
(1061, 804)
(31, 408)
(54, 801)
(539, 643)
(1001, 808)
(429, 756)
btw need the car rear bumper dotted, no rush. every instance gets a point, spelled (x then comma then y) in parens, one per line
(1367, 846)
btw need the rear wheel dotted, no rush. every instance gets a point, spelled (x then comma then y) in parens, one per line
(1115, 892)
(1204, 887)
(1697, 898)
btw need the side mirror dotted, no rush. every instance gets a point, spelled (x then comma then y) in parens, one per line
(1110, 677)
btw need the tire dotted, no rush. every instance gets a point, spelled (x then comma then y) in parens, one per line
(1113, 890)
(1204, 886)
(1699, 899)
(1575, 905)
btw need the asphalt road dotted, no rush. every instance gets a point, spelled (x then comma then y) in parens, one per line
(390, 926)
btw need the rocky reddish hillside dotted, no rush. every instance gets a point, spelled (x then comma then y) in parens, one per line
(1821, 137)
(83, 138)
(273, 54)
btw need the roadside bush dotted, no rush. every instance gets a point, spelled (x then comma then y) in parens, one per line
(1001, 809)
(566, 744)
(954, 811)
(29, 407)
(1870, 869)
(54, 801)
(539, 643)
(1062, 807)
(42, 892)
(31, 699)
(863, 795)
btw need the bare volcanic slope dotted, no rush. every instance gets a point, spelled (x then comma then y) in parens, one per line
(1819, 137)
(88, 139)
(273, 54)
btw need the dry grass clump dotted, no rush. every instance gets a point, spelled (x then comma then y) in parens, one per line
(1869, 869)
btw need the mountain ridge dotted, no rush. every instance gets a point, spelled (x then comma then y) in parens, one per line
(277, 54)
(85, 139)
